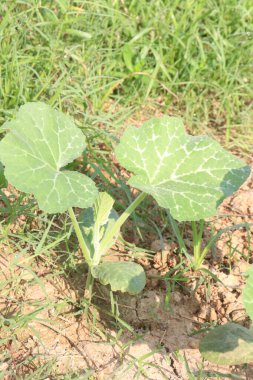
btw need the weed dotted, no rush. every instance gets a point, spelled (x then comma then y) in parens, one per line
(80, 55)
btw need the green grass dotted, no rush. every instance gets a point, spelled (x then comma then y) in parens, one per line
(78, 55)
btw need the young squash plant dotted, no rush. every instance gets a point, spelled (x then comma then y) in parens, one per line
(188, 175)
(40, 143)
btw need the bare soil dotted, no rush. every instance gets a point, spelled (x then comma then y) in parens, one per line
(163, 335)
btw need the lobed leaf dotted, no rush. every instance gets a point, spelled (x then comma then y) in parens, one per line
(121, 276)
(189, 175)
(230, 344)
(40, 143)
(247, 294)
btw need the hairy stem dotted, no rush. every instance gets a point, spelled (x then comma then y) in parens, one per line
(88, 288)
(84, 248)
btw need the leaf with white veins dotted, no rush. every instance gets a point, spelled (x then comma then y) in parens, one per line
(189, 175)
(40, 143)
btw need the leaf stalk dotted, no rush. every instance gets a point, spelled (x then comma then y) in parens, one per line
(84, 248)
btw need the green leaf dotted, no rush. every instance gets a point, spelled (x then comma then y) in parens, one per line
(3, 182)
(95, 222)
(121, 275)
(189, 175)
(40, 143)
(230, 344)
(247, 295)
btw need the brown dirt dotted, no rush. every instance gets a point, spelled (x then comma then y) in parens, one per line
(56, 333)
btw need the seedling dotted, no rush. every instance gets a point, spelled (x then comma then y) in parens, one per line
(232, 343)
(188, 175)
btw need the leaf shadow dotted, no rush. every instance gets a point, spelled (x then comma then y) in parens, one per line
(226, 339)
(232, 180)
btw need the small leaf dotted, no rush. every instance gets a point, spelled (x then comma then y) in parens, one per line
(40, 143)
(102, 208)
(247, 295)
(230, 344)
(95, 222)
(121, 275)
(3, 182)
(189, 175)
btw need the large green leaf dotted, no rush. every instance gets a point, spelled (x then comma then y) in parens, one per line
(230, 344)
(121, 275)
(248, 293)
(95, 222)
(40, 143)
(189, 175)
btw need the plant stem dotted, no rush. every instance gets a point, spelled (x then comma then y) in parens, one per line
(123, 217)
(88, 289)
(85, 249)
